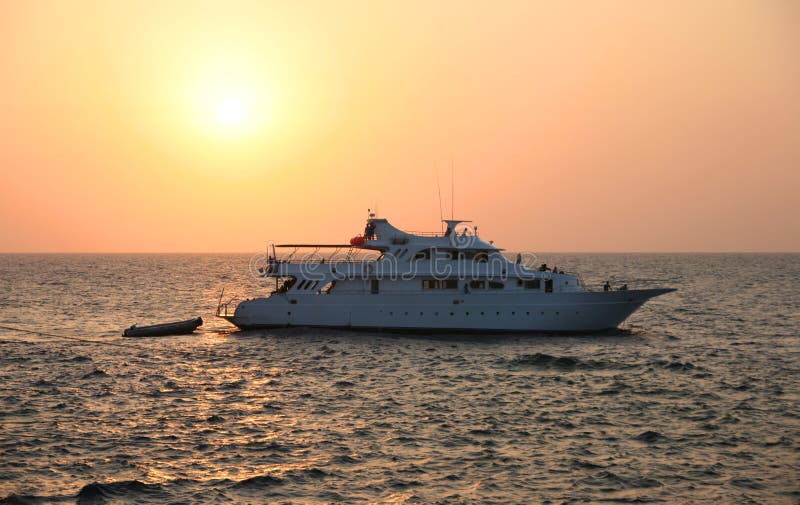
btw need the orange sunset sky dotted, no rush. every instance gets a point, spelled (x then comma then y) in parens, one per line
(150, 126)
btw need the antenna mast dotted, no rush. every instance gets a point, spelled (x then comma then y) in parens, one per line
(452, 186)
(439, 190)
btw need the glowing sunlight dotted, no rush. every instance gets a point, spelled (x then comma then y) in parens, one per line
(230, 112)
(229, 100)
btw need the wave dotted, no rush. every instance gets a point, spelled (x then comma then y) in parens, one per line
(676, 366)
(570, 363)
(258, 482)
(96, 374)
(650, 437)
(566, 363)
(97, 492)
(344, 460)
(305, 474)
(607, 479)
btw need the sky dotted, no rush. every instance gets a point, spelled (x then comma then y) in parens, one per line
(586, 126)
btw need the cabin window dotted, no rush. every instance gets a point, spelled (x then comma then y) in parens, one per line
(375, 286)
(532, 284)
(548, 286)
(301, 285)
(422, 255)
(287, 285)
(496, 285)
(327, 288)
(477, 284)
(450, 284)
(313, 285)
(430, 284)
(481, 257)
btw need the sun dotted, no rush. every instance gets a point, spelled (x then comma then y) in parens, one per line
(230, 112)
(229, 99)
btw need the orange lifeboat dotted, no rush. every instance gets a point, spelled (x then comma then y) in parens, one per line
(359, 240)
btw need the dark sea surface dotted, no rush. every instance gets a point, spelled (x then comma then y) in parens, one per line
(696, 401)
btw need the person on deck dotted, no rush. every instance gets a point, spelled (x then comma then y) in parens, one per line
(607, 286)
(369, 231)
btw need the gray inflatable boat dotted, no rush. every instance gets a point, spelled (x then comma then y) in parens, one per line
(160, 330)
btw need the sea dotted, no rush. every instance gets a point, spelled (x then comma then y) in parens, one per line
(694, 400)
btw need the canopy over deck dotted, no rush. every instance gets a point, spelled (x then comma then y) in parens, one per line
(321, 246)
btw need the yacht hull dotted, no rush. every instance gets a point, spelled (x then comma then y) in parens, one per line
(495, 312)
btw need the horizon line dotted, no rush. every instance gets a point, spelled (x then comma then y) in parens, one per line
(9, 253)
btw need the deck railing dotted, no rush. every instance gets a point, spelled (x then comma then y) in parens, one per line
(224, 307)
(267, 262)
(426, 233)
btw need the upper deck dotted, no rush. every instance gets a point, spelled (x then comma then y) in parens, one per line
(386, 252)
(381, 240)
(379, 234)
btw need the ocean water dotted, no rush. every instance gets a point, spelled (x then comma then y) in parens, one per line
(694, 401)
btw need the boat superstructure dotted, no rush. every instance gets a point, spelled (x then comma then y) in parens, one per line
(391, 279)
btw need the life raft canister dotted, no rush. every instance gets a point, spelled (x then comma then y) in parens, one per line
(359, 240)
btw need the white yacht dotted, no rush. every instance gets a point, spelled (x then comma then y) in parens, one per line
(390, 279)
